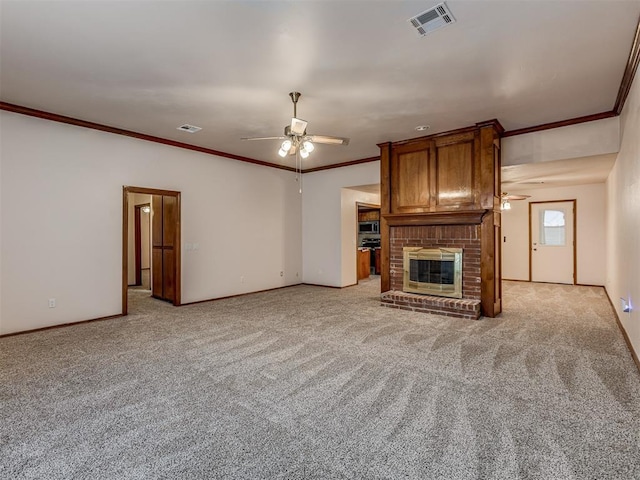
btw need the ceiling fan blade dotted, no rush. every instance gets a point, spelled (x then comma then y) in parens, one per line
(298, 126)
(328, 139)
(506, 196)
(264, 138)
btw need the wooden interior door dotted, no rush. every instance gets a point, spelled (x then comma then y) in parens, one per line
(164, 225)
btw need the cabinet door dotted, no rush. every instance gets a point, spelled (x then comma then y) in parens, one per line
(364, 264)
(369, 216)
(411, 178)
(456, 172)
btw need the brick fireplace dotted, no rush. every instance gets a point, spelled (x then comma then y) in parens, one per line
(443, 191)
(466, 237)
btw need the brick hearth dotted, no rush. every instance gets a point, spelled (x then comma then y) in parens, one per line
(452, 307)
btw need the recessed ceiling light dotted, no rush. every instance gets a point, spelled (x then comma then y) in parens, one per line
(422, 128)
(189, 128)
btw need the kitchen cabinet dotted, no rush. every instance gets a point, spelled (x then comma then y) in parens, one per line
(369, 215)
(364, 262)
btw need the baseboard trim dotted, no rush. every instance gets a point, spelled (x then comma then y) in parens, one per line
(551, 283)
(237, 295)
(325, 286)
(62, 325)
(633, 353)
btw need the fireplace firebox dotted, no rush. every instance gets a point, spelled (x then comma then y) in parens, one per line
(433, 271)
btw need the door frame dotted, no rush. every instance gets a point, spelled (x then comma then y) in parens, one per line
(126, 190)
(575, 237)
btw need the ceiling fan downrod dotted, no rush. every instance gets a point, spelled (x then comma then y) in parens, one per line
(294, 98)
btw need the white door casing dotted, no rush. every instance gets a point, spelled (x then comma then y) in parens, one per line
(552, 241)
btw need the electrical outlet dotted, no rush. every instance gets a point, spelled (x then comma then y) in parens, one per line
(242, 279)
(52, 303)
(626, 305)
(282, 274)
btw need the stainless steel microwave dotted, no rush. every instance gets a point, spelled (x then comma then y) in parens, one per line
(369, 227)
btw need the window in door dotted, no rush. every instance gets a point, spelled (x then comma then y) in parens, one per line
(553, 231)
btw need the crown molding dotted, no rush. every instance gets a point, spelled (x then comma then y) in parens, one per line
(629, 72)
(54, 117)
(561, 123)
(343, 164)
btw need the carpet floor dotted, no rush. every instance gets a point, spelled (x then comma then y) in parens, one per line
(317, 383)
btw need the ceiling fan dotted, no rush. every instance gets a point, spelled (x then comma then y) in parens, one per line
(296, 138)
(506, 198)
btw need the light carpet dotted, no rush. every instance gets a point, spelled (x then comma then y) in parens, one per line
(318, 383)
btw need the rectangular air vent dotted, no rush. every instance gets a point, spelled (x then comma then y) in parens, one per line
(432, 19)
(189, 128)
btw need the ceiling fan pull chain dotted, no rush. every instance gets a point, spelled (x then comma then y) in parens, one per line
(300, 181)
(299, 171)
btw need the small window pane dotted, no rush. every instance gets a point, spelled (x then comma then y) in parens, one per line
(552, 231)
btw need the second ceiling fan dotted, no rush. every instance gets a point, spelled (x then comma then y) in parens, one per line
(506, 199)
(296, 138)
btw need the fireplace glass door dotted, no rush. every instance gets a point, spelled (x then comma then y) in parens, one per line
(433, 271)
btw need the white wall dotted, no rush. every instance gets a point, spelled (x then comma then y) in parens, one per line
(623, 229)
(1, 250)
(245, 218)
(575, 141)
(325, 251)
(590, 232)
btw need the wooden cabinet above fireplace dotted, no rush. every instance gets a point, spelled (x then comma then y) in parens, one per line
(440, 174)
(451, 178)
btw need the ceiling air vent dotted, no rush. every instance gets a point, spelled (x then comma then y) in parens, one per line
(427, 22)
(189, 128)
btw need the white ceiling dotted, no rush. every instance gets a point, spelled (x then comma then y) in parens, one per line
(364, 73)
(557, 173)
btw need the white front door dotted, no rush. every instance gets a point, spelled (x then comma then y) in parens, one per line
(552, 242)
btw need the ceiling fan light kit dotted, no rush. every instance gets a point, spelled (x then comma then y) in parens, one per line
(505, 203)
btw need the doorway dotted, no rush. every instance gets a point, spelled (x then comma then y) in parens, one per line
(165, 279)
(142, 242)
(552, 241)
(368, 240)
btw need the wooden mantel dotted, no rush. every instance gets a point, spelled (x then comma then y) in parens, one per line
(448, 179)
(437, 218)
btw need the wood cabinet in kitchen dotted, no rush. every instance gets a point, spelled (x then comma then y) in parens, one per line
(364, 262)
(369, 215)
